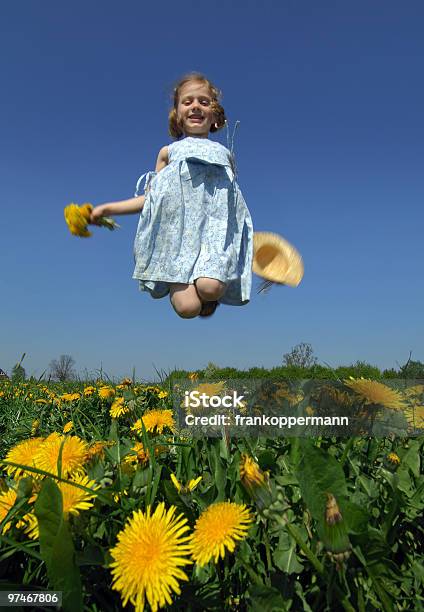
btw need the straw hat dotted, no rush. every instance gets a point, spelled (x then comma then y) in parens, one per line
(276, 260)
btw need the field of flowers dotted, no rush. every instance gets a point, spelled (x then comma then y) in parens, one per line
(103, 499)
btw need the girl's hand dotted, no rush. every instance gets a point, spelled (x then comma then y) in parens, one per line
(97, 213)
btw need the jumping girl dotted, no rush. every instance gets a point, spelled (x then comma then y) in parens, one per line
(195, 237)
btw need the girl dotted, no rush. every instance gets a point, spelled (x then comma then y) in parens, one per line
(195, 237)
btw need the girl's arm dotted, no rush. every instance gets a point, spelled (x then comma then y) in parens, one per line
(124, 207)
(162, 160)
(133, 205)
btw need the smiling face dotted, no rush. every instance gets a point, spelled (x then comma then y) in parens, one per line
(194, 110)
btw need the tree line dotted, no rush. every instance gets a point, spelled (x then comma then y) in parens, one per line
(300, 358)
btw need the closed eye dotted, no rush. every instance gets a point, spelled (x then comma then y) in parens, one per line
(204, 101)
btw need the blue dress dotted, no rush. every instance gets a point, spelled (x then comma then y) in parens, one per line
(194, 223)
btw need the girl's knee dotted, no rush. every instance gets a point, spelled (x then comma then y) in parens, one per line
(185, 307)
(210, 289)
(187, 311)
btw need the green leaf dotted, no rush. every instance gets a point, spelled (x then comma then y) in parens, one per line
(56, 547)
(266, 460)
(411, 458)
(91, 555)
(171, 493)
(300, 594)
(319, 473)
(220, 476)
(284, 555)
(369, 486)
(405, 483)
(266, 599)
(356, 517)
(155, 485)
(287, 479)
(113, 431)
(140, 478)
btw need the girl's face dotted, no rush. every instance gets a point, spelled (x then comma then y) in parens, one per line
(194, 111)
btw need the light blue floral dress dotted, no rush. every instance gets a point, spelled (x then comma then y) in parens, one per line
(194, 223)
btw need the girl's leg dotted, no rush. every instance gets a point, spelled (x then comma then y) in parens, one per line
(185, 300)
(209, 289)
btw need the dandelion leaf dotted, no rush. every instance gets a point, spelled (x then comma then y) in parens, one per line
(318, 473)
(284, 555)
(56, 547)
(266, 599)
(218, 471)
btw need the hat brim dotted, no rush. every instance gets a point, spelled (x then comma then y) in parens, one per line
(276, 260)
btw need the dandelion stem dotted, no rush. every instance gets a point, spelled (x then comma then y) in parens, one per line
(347, 448)
(293, 531)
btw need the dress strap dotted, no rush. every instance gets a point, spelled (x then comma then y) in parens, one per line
(149, 176)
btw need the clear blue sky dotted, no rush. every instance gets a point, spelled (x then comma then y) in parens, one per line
(330, 153)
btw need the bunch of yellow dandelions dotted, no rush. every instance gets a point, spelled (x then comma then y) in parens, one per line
(78, 217)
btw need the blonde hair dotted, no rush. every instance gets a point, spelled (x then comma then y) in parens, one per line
(175, 129)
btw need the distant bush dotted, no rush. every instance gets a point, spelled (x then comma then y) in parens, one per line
(414, 371)
(358, 369)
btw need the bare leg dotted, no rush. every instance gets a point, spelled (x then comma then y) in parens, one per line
(185, 300)
(209, 289)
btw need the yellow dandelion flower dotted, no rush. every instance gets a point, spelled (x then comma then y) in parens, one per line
(148, 558)
(42, 401)
(126, 382)
(188, 488)
(255, 481)
(75, 499)
(67, 427)
(295, 398)
(218, 528)
(70, 397)
(210, 389)
(120, 495)
(340, 397)
(250, 472)
(193, 376)
(155, 421)
(23, 453)
(74, 452)
(282, 391)
(139, 454)
(393, 458)
(97, 449)
(7, 501)
(162, 394)
(29, 524)
(77, 218)
(118, 408)
(415, 416)
(88, 391)
(207, 390)
(414, 391)
(374, 392)
(106, 392)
